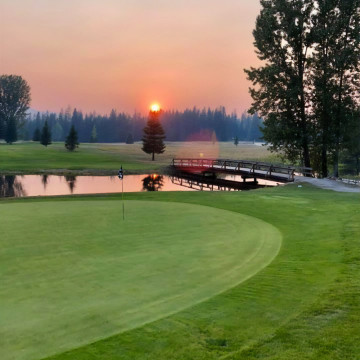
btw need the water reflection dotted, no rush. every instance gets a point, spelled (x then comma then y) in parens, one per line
(71, 181)
(153, 182)
(44, 180)
(201, 183)
(11, 186)
(48, 185)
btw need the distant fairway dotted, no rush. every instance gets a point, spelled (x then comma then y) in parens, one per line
(73, 272)
(30, 158)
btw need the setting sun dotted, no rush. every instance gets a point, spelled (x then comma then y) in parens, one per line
(155, 107)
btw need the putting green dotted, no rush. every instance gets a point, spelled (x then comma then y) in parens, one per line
(73, 272)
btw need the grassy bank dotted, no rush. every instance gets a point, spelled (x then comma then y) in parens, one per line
(304, 305)
(95, 159)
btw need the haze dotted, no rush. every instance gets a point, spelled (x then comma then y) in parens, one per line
(98, 55)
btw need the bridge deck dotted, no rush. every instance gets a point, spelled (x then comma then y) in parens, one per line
(245, 168)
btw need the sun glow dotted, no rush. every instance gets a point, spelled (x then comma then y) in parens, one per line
(155, 107)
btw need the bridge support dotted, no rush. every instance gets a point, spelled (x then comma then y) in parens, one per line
(254, 181)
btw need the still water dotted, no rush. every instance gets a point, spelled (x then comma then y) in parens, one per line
(48, 185)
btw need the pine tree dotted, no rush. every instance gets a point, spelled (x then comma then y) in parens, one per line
(93, 137)
(36, 135)
(45, 138)
(72, 142)
(236, 141)
(57, 132)
(11, 131)
(213, 138)
(129, 139)
(154, 135)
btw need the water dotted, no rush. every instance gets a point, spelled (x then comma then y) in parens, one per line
(48, 185)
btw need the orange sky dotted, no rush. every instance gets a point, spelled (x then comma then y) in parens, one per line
(124, 54)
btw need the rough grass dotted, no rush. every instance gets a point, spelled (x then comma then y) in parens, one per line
(34, 158)
(304, 305)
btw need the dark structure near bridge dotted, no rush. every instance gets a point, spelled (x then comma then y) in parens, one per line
(246, 169)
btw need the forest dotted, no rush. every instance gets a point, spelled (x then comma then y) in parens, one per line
(188, 125)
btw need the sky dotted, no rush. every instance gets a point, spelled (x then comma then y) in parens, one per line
(98, 55)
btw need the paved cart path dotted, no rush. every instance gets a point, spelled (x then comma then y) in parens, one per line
(329, 184)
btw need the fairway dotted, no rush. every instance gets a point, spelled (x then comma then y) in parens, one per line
(33, 158)
(73, 272)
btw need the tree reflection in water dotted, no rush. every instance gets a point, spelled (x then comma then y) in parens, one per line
(45, 180)
(10, 186)
(71, 180)
(153, 182)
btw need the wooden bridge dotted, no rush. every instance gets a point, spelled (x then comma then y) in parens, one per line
(246, 169)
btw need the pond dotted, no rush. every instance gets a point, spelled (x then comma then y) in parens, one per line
(49, 185)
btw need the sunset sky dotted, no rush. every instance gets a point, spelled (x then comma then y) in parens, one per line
(126, 54)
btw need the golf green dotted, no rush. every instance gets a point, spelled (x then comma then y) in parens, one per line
(73, 272)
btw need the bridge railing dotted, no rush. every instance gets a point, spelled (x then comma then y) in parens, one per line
(241, 166)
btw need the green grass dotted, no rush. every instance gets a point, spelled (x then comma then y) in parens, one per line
(33, 158)
(83, 274)
(304, 305)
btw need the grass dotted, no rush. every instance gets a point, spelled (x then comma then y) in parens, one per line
(304, 305)
(83, 270)
(33, 158)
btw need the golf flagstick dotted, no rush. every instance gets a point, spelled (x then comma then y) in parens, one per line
(122, 195)
(121, 177)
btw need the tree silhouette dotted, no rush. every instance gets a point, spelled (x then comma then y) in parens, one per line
(36, 135)
(72, 142)
(93, 137)
(11, 131)
(45, 135)
(154, 135)
(14, 102)
(129, 139)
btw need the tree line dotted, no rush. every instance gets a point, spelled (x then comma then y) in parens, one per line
(308, 88)
(191, 124)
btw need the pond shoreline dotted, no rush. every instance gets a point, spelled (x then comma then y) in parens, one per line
(164, 170)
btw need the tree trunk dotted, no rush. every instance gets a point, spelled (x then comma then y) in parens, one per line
(153, 156)
(305, 142)
(336, 162)
(357, 165)
(324, 167)
(306, 155)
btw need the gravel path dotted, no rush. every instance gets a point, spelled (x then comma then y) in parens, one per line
(328, 184)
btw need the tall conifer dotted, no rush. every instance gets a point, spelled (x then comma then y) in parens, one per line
(154, 135)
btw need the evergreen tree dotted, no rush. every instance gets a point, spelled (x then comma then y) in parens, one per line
(36, 135)
(45, 138)
(154, 135)
(213, 137)
(129, 139)
(93, 137)
(236, 141)
(72, 142)
(57, 132)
